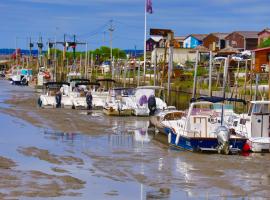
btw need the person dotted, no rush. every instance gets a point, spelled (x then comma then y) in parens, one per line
(89, 99)
(152, 105)
(58, 98)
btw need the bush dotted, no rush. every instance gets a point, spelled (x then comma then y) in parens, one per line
(266, 43)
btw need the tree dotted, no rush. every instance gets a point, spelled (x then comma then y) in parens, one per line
(265, 43)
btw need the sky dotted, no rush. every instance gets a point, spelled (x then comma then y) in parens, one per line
(89, 20)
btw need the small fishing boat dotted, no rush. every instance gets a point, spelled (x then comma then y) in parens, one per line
(255, 125)
(78, 91)
(161, 119)
(101, 93)
(200, 129)
(115, 105)
(55, 95)
(144, 102)
(21, 76)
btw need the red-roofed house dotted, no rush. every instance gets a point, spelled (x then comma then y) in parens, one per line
(215, 41)
(243, 40)
(263, 35)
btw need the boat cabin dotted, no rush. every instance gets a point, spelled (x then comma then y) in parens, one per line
(256, 123)
(203, 118)
(51, 88)
(259, 113)
(123, 92)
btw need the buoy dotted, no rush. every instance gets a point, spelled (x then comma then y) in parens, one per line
(246, 147)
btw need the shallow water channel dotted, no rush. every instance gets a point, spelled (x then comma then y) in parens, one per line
(123, 160)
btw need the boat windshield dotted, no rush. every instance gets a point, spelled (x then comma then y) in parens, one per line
(260, 109)
(206, 109)
(173, 116)
(124, 92)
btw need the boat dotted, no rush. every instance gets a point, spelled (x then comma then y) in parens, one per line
(101, 93)
(169, 115)
(200, 129)
(115, 105)
(255, 125)
(78, 92)
(144, 102)
(21, 76)
(55, 95)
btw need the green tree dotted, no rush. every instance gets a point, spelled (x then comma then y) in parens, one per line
(266, 43)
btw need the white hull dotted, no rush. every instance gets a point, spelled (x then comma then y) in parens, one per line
(259, 144)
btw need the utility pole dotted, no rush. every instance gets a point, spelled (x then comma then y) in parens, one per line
(40, 46)
(74, 49)
(170, 64)
(31, 45)
(210, 73)
(111, 29)
(104, 38)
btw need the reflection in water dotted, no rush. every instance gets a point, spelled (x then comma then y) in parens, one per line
(130, 153)
(61, 135)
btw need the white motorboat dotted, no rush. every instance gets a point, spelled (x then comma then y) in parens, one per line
(255, 125)
(101, 93)
(144, 102)
(161, 119)
(78, 93)
(55, 95)
(21, 76)
(199, 129)
(115, 104)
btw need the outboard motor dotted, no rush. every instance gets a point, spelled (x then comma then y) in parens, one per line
(223, 137)
(152, 105)
(24, 81)
(89, 99)
(58, 99)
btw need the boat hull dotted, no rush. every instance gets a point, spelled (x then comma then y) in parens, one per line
(259, 145)
(200, 144)
(114, 112)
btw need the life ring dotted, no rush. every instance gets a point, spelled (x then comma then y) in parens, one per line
(213, 119)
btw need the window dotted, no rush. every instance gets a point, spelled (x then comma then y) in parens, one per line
(243, 121)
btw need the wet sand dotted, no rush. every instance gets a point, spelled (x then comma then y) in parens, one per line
(66, 154)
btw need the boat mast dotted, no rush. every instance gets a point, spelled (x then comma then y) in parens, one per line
(226, 66)
(195, 75)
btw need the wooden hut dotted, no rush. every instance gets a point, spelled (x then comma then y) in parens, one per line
(262, 59)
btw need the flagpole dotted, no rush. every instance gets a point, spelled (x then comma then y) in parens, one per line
(145, 27)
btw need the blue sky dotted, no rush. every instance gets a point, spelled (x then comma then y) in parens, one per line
(90, 18)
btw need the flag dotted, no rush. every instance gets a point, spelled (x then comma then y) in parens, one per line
(149, 7)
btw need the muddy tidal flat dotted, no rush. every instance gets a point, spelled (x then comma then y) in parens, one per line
(72, 154)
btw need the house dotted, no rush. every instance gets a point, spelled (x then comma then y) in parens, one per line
(159, 42)
(180, 55)
(152, 42)
(179, 41)
(261, 57)
(242, 40)
(263, 35)
(194, 40)
(215, 41)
